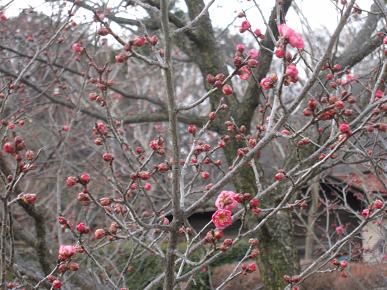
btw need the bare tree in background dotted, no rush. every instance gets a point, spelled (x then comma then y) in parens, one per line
(117, 131)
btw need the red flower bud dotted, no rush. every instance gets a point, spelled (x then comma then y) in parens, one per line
(107, 157)
(82, 228)
(71, 181)
(84, 178)
(56, 284)
(8, 148)
(279, 176)
(344, 128)
(99, 233)
(29, 198)
(227, 90)
(378, 204)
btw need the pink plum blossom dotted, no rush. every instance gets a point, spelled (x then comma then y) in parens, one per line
(226, 200)
(291, 36)
(222, 218)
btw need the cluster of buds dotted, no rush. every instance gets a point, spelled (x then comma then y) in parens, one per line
(64, 223)
(28, 198)
(227, 244)
(258, 33)
(101, 84)
(15, 149)
(249, 268)
(334, 106)
(83, 179)
(140, 41)
(100, 129)
(218, 82)
(254, 248)
(289, 36)
(254, 206)
(311, 107)
(201, 147)
(84, 197)
(163, 167)
(158, 145)
(117, 207)
(113, 228)
(213, 236)
(185, 230)
(143, 175)
(340, 264)
(377, 204)
(303, 141)
(291, 74)
(68, 266)
(243, 197)
(94, 97)
(244, 63)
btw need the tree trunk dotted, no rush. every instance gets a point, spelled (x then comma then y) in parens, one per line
(279, 256)
(309, 240)
(278, 253)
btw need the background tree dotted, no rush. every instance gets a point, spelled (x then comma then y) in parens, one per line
(105, 106)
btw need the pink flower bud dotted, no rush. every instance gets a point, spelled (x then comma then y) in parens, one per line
(344, 128)
(245, 26)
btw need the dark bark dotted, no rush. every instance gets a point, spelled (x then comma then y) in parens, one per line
(253, 94)
(279, 256)
(42, 251)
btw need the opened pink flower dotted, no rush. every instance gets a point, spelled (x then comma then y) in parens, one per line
(66, 251)
(222, 219)
(226, 200)
(291, 36)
